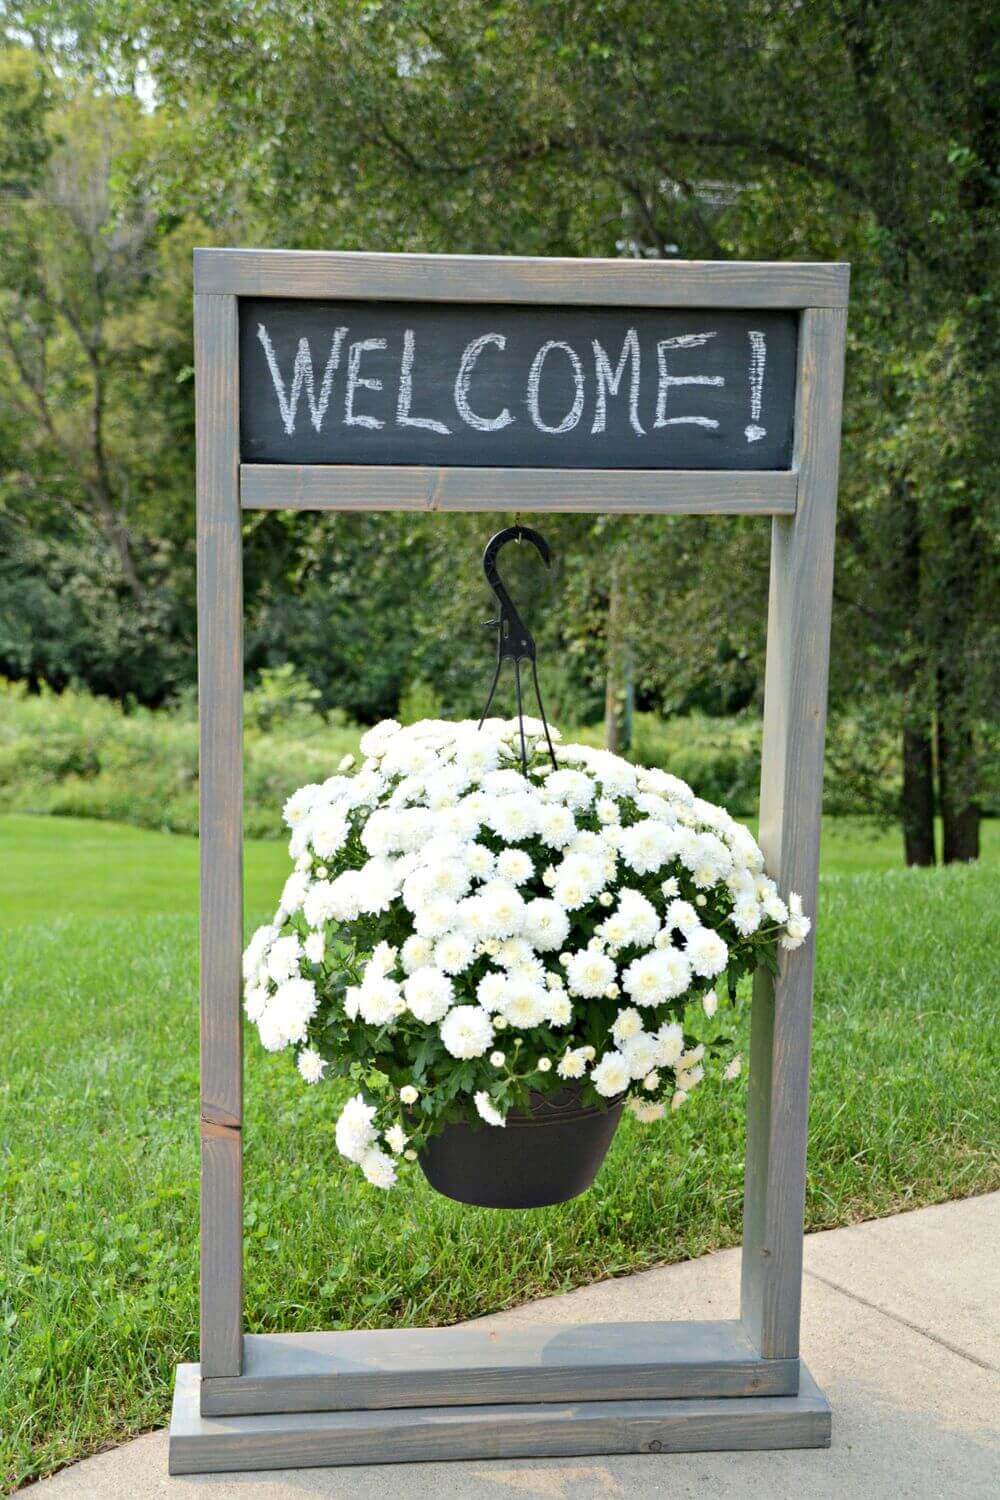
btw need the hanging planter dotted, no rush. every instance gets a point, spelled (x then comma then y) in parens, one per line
(501, 944)
(548, 1152)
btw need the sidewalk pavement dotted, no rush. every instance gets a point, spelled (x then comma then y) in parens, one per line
(900, 1328)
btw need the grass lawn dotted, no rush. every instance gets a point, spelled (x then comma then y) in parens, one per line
(98, 1104)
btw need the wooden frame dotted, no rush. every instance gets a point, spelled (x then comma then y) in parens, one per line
(280, 1400)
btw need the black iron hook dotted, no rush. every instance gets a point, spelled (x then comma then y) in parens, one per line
(515, 642)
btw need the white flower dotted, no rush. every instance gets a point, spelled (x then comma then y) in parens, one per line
(661, 975)
(525, 1002)
(670, 886)
(710, 1003)
(514, 817)
(436, 917)
(573, 1063)
(314, 946)
(558, 1008)
(641, 1053)
(382, 961)
(328, 831)
(428, 994)
(546, 924)
(293, 892)
(408, 1094)
(416, 952)
(256, 950)
(688, 1080)
(502, 907)
(345, 763)
(734, 1068)
(627, 1023)
(678, 1099)
(491, 989)
(745, 917)
(355, 1133)
(479, 861)
(379, 1000)
(589, 973)
(498, 1059)
(396, 1138)
(646, 1110)
(570, 787)
(310, 1064)
(487, 1110)
(378, 1168)
(286, 1018)
(706, 952)
(346, 898)
(514, 865)
(611, 1075)
(796, 932)
(681, 914)
(300, 804)
(256, 1000)
(774, 907)
(556, 826)
(607, 810)
(283, 959)
(466, 1031)
(453, 953)
(377, 740)
(544, 1065)
(646, 846)
(669, 1044)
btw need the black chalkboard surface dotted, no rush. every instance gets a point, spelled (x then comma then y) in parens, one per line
(443, 384)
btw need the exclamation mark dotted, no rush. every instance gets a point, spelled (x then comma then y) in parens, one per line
(758, 358)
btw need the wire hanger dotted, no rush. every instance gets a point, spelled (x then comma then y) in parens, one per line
(515, 642)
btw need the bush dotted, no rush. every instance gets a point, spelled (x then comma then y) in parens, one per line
(73, 754)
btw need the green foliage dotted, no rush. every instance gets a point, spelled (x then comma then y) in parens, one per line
(98, 1176)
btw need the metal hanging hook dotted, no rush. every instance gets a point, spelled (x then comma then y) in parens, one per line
(515, 642)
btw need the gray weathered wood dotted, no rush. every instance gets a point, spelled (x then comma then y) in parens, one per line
(360, 487)
(220, 696)
(489, 278)
(475, 1365)
(201, 1445)
(798, 635)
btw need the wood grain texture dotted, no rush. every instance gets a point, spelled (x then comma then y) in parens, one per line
(801, 590)
(478, 1366)
(424, 1434)
(488, 278)
(592, 491)
(220, 699)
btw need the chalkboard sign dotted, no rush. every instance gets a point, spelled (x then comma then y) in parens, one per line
(449, 384)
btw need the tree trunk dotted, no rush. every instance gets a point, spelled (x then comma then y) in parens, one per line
(956, 780)
(618, 691)
(918, 796)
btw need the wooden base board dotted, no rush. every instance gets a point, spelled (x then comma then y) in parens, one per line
(302, 1440)
(480, 1366)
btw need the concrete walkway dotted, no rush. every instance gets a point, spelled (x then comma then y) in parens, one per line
(901, 1329)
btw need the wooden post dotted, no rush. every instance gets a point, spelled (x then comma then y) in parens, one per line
(798, 648)
(220, 698)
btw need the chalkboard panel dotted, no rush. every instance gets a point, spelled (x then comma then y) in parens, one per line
(442, 384)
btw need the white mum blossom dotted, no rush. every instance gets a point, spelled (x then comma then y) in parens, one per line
(611, 1075)
(669, 1044)
(379, 1168)
(589, 973)
(706, 953)
(466, 1031)
(573, 1063)
(310, 1065)
(641, 1052)
(646, 1111)
(453, 953)
(546, 924)
(487, 1110)
(416, 952)
(710, 1003)
(514, 865)
(379, 1000)
(378, 739)
(355, 1133)
(502, 906)
(627, 1023)
(657, 976)
(429, 994)
(734, 1068)
(525, 1002)
(396, 1138)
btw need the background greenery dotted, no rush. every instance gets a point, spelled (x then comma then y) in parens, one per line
(98, 1171)
(843, 129)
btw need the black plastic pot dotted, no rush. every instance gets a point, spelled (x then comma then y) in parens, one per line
(549, 1153)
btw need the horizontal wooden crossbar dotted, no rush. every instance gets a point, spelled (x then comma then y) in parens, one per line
(591, 491)
(478, 1365)
(200, 1444)
(515, 278)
